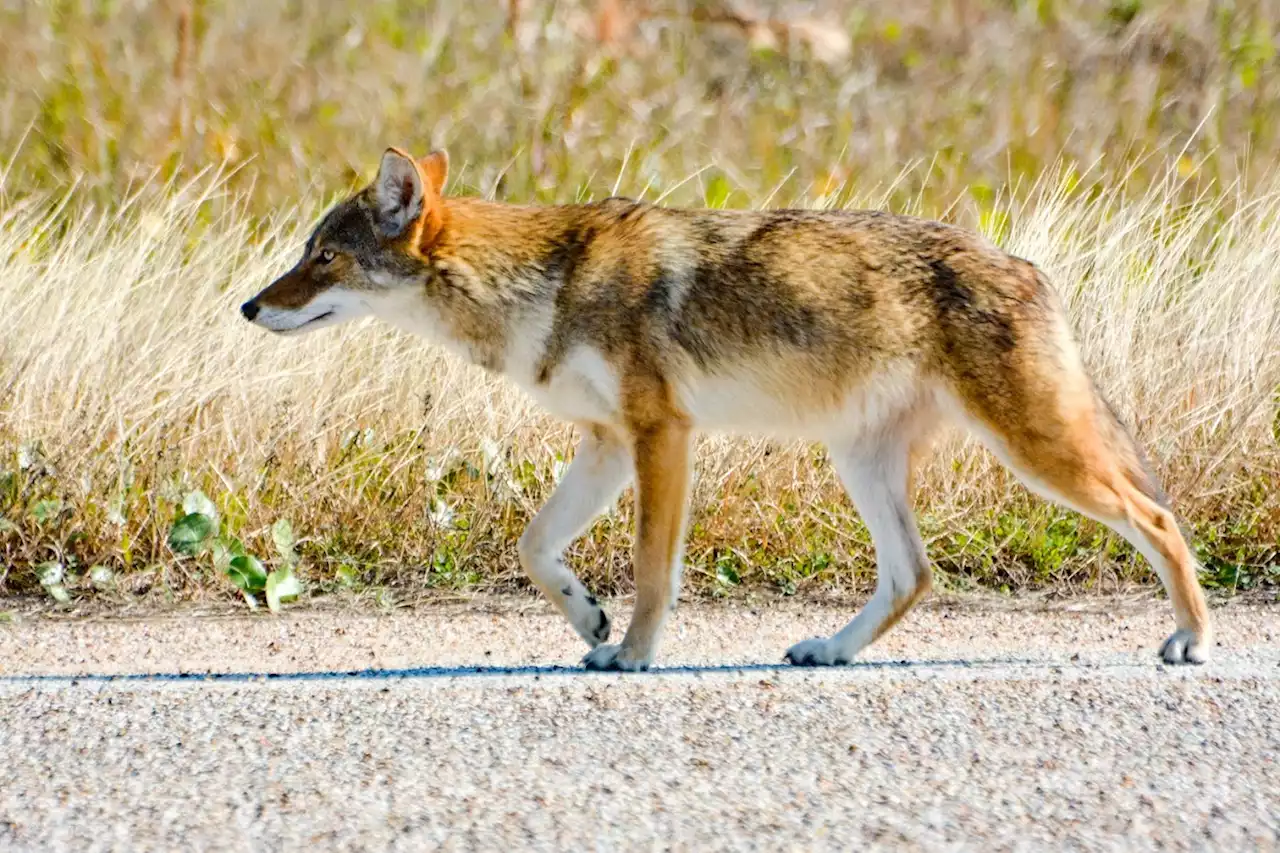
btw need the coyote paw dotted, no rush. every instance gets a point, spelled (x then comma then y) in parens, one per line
(586, 615)
(1185, 646)
(614, 658)
(601, 632)
(816, 652)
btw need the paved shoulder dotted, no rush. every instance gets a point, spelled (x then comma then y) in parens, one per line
(448, 728)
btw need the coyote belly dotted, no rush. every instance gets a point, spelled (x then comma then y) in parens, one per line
(644, 325)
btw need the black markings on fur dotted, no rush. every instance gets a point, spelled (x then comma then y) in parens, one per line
(736, 298)
(957, 311)
(322, 228)
(452, 282)
(560, 266)
(657, 296)
(627, 208)
(708, 232)
(567, 591)
(811, 659)
(602, 629)
(347, 227)
(591, 599)
(562, 262)
(775, 221)
(948, 293)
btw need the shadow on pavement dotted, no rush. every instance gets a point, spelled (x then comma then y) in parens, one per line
(534, 672)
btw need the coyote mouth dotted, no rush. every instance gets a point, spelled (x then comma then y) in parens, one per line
(303, 325)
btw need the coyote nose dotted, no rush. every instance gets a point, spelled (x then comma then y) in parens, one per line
(249, 310)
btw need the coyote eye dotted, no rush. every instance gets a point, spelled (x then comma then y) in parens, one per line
(326, 256)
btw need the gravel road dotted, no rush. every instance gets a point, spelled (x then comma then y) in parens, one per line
(967, 727)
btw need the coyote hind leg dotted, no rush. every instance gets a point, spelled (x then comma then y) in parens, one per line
(876, 477)
(1089, 463)
(1038, 411)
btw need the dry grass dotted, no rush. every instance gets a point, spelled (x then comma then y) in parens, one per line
(128, 380)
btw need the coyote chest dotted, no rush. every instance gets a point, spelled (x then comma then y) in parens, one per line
(584, 388)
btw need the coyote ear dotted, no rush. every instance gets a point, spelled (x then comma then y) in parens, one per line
(435, 166)
(398, 192)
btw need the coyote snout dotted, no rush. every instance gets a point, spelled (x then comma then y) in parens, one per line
(644, 325)
(303, 299)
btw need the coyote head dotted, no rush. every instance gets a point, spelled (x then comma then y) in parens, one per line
(368, 247)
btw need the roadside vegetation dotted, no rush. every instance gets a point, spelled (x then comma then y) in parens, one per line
(165, 160)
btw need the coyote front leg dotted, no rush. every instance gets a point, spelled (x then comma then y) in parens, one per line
(662, 488)
(600, 469)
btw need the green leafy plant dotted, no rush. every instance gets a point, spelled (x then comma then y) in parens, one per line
(191, 533)
(51, 577)
(282, 585)
(196, 532)
(249, 576)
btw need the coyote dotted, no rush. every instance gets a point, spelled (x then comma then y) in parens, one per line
(644, 324)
